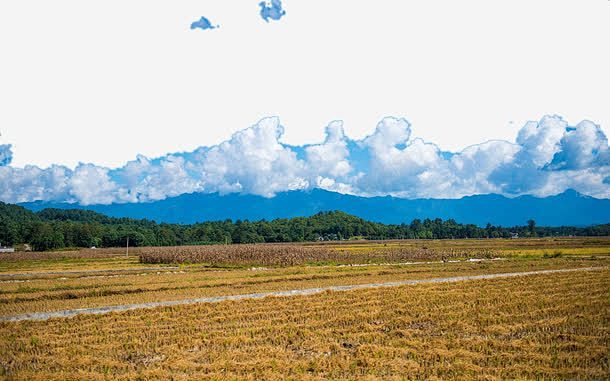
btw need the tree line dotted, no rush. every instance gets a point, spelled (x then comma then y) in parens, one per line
(52, 229)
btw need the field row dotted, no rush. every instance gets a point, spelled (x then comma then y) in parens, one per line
(307, 253)
(83, 291)
(262, 295)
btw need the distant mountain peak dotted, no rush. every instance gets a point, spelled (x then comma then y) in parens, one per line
(567, 208)
(573, 193)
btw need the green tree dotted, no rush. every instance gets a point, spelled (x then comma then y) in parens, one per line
(531, 227)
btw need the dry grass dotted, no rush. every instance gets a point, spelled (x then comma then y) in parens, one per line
(536, 327)
(65, 254)
(65, 261)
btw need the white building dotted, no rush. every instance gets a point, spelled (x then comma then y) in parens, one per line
(5, 249)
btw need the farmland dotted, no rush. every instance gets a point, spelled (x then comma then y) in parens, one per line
(551, 325)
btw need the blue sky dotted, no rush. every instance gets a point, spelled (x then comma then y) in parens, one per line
(506, 98)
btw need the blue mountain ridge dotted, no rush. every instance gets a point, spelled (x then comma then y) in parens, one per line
(568, 208)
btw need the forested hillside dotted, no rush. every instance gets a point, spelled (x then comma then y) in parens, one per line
(57, 228)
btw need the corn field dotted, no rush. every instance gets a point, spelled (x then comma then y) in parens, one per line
(292, 255)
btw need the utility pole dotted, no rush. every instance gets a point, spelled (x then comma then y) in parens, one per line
(127, 252)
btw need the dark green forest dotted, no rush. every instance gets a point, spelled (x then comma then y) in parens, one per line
(52, 229)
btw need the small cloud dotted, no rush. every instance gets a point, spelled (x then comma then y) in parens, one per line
(203, 24)
(6, 155)
(271, 10)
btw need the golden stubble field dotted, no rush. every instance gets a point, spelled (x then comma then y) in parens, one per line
(552, 326)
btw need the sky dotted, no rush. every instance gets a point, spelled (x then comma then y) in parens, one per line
(89, 87)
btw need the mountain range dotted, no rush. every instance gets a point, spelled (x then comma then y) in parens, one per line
(568, 208)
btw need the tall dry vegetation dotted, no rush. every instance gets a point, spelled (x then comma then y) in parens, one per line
(290, 255)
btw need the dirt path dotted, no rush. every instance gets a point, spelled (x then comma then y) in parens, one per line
(307, 291)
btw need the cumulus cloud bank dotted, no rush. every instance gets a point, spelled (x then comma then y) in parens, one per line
(548, 157)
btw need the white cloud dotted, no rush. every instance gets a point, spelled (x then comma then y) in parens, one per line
(548, 157)
(32, 183)
(253, 161)
(145, 180)
(553, 157)
(582, 147)
(541, 140)
(90, 184)
(472, 167)
(330, 158)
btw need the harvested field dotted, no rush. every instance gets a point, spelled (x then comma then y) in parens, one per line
(552, 326)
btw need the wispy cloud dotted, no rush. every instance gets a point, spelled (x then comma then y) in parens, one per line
(548, 157)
